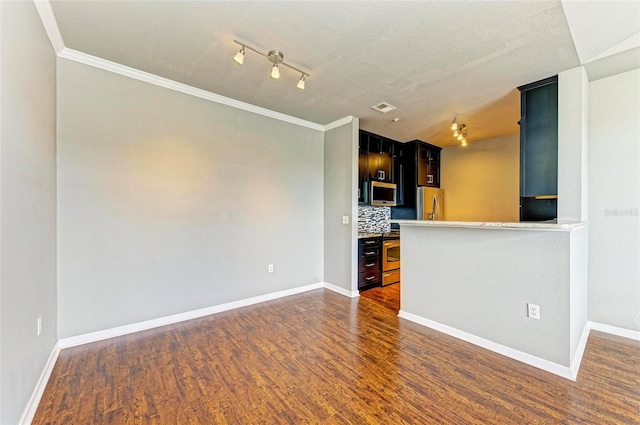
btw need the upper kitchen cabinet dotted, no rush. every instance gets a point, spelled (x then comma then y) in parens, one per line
(428, 165)
(417, 164)
(376, 162)
(539, 150)
(380, 154)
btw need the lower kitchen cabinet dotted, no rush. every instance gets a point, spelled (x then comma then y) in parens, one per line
(369, 262)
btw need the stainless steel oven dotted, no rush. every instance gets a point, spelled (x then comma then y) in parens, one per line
(390, 261)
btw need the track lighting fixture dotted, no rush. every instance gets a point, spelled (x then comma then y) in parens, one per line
(459, 131)
(276, 58)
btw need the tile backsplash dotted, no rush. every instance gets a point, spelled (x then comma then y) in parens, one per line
(374, 219)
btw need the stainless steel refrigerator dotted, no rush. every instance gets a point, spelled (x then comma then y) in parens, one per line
(430, 203)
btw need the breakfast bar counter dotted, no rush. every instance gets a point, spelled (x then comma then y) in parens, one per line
(546, 226)
(475, 281)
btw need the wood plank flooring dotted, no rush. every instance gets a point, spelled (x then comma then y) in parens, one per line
(321, 358)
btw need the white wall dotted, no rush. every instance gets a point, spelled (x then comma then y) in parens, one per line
(168, 203)
(614, 200)
(573, 121)
(481, 180)
(340, 199)
(28, 204)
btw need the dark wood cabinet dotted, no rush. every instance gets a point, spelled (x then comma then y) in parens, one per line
(363, 172)
(376, 162)
(539, 150)
(407, 165)
(418, 164)
(380, 158)
(428, 165)
(369, 274)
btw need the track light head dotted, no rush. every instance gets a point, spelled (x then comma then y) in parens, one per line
(239, 57)
(300, 84)
(275, 72)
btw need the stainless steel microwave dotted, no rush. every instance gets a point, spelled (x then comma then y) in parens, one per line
(383, 194)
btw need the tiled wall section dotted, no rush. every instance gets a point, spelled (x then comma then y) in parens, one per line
(374, 219)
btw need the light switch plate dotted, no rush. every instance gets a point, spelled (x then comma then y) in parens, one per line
(345, 219)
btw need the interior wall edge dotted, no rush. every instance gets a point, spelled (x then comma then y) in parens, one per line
(32, 405)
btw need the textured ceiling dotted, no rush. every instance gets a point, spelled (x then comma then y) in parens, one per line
(430, 59)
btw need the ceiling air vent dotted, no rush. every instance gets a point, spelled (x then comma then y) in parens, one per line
(383, 107)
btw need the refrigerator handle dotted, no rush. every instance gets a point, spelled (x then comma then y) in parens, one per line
(435, 208)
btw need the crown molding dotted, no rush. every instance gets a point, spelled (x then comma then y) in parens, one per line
(53, 31)
(126, 71)
(338, 123)
(50, 24)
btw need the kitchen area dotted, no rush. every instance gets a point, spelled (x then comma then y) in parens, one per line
(507, 179)
(488, 254)
(396, 181)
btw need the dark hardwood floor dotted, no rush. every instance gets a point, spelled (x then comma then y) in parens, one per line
(322, 358)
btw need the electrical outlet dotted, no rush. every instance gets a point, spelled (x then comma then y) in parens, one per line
(39, 322)
(345, 219)
(270, 268)
(533, 311)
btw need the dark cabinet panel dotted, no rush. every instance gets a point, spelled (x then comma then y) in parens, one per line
(380, 161)
(369, 273)
(363, 170)
(539, 150)
(420, 167)
(428, 165)
(406, 166)
(376, 162)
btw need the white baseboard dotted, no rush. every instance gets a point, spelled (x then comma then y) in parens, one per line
(546, 365)
(180, 317)
(340, 290)
(614, 330)
(577, 356)
(74, 341)
(32, 406)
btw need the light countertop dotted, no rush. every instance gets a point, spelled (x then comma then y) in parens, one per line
(544, 226)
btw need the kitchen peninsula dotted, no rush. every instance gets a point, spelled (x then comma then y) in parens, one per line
(475, 280)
